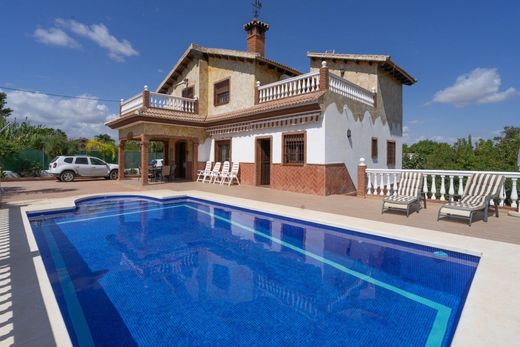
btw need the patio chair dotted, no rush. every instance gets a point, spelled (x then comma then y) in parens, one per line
(480, 189)
(224, 172)
(201, 173)
(209, 175)
(408, 197)
(231, 176)
(168, 173)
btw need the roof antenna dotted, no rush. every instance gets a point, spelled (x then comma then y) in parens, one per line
(257, 6)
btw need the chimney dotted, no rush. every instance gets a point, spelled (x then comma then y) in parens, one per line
(256, 36)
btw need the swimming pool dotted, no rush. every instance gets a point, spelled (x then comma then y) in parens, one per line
(137, 271)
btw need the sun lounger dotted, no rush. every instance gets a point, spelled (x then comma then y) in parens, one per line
(480, 189)
(408, 196)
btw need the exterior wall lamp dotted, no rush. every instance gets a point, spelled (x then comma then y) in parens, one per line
(349, 134)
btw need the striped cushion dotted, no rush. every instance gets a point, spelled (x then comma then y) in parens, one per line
(480, 186)
(410, 184)
(400, 199)
(468, 203)
(483, 184)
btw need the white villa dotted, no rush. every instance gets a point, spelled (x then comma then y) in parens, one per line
(289, 130)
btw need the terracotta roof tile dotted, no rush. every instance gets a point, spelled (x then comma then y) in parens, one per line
(256, 110)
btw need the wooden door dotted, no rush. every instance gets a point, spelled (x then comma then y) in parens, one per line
(264, 161)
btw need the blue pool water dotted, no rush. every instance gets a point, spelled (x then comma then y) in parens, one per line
(132, 271)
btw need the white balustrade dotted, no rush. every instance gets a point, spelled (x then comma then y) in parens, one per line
(514, 194)
(132, 104)
(303, 84)
(451, 189)
(443, 188)
(388, 185)
(376, 178)
(157, 100)
(369, 184)
(434, 189)
(350, 90)
(170, 102)
(381, 184)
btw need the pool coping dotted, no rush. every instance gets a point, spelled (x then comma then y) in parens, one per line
(491, 314)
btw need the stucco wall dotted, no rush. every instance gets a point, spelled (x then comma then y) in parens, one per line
(339, 118)
(390, 102)
(242, 82)
(243, 144)
(363, 74)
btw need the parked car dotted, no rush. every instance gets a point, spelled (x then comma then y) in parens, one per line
(67, 167)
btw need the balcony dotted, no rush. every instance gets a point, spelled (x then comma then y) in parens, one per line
(149, 99)
(312, 82)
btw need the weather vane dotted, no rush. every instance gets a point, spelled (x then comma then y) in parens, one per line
(257, 6)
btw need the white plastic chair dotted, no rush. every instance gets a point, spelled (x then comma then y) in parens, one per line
(222, 174)
(233, 175)
(209, 175)
(206, 171)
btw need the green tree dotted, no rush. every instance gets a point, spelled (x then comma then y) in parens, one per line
(4, 110)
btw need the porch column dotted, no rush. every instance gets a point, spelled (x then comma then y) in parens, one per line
(144, 160)
(121, 160)
(361, 190)
(195, 158)
(166, 152)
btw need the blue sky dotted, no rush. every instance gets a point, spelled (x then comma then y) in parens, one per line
(464, 53)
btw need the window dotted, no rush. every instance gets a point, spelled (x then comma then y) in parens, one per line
(221, 93)
(68, 160)
(390, 153)
(96, 161)
(374, 148)
(188, 92)
(294, 148)
(223, 150)
(82, 161)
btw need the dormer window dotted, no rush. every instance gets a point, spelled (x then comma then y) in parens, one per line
(221, 93)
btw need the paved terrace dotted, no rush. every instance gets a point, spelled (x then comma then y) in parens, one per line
(23, 318)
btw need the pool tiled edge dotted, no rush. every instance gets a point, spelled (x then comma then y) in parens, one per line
(497, 277)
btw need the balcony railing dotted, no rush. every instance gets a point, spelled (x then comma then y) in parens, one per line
(298, 85)
(350, 90)
(442, 185)
(311, 82)
(157, 100)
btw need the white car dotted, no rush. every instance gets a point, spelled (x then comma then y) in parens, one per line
(67, 167)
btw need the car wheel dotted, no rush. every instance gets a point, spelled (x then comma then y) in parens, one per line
(67, 176)
(113, 175)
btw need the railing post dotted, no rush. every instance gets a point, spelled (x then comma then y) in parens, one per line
(434, 189)
(361, 178)
(514, 194)
(443, 188)
(324, 76)
(257, 93)
(451, 190)
(146, 97)
(196, 105)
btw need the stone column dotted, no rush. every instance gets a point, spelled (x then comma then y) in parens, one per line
(121, 160)
(144, 160)
(361, 178)
(195, 157)
(257, 93)
(146, 97)
(166, 152)
(324, 76)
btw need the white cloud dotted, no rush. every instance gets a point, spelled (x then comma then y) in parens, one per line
(77, 117)
(406, 131)
(481, 85)
(56, 37)
(436, 138)
(416, 121)
(118, 50)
